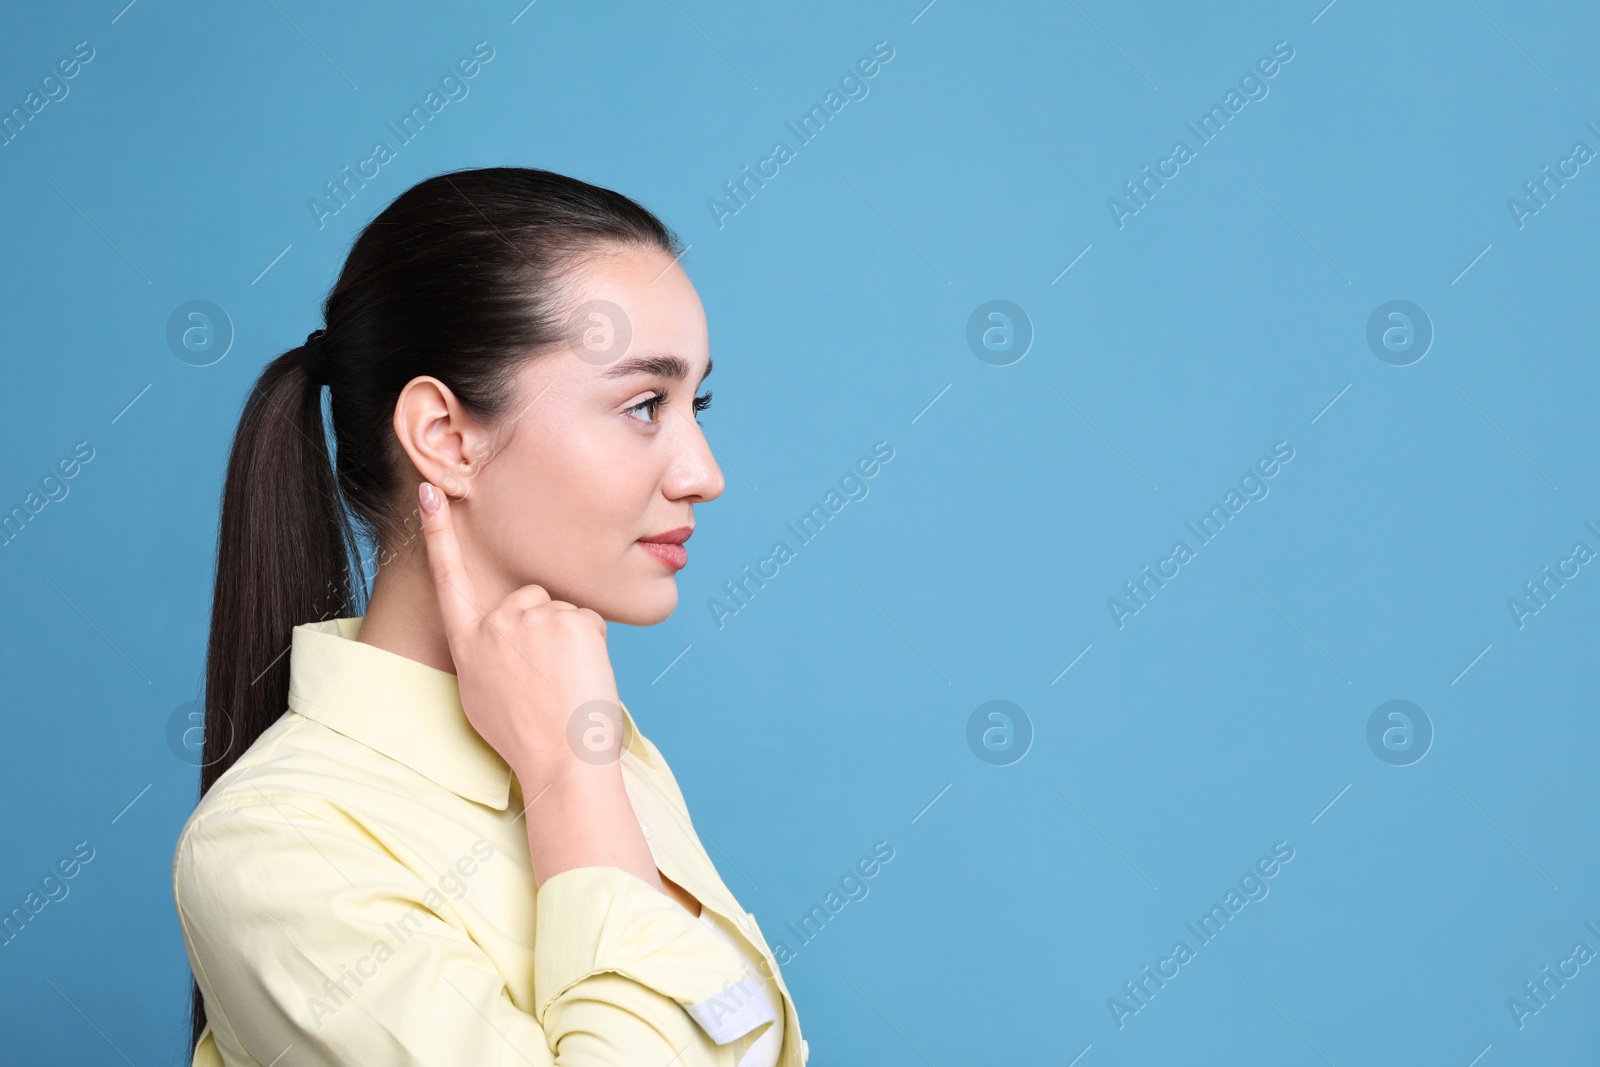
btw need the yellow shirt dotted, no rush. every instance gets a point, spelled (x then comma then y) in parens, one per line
(356, 889)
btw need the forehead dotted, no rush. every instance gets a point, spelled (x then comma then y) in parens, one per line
(634, 302)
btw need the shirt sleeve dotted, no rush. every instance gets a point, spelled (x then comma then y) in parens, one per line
(597, 921)
(306, 936)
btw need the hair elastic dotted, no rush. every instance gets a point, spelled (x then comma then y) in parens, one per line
(314, 359)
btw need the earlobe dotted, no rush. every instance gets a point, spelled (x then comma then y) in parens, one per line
(460, 486)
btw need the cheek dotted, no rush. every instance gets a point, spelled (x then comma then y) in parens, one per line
(522, 510)
(564, 507)
(604, 495)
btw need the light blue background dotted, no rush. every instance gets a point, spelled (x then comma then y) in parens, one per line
(831, 712)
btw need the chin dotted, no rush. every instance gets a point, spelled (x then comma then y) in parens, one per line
(648, 606)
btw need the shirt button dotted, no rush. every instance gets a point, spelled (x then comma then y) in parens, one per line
(744, 921)
(805, 1051)
(644, 828)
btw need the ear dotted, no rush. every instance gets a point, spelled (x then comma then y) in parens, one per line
(445, 444)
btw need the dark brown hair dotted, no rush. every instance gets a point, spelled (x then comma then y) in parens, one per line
(464, 278)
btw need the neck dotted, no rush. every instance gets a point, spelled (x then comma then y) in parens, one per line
(403, 614)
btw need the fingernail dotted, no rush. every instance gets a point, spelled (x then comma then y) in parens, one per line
(429, 497)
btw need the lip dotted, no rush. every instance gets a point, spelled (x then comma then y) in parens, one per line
(671, 537)
(668, 547)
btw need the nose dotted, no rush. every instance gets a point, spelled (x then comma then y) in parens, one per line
(694, 474)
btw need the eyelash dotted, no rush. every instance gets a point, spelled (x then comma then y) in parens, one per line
(654, 404)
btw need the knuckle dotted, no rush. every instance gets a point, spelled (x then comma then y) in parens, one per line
(528, 598)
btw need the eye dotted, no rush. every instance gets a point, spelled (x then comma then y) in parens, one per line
(653, 403)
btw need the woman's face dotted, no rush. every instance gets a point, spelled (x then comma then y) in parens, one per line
(589, 460)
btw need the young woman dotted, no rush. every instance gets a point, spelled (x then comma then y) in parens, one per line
(431, 833)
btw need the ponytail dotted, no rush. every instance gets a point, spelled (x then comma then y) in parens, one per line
(283, 558)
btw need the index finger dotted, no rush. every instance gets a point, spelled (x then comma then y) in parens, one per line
(458, 602)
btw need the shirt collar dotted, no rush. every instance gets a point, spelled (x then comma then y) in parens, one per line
(403, 709)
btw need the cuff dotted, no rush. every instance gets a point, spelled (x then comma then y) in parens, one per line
(593, 920)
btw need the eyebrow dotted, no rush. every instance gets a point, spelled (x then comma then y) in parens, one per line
(665, 366)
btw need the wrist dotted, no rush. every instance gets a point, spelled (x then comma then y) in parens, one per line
(582, 817)
(572, 758)
(566, 776)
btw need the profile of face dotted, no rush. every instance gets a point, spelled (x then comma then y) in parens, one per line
(601, 448)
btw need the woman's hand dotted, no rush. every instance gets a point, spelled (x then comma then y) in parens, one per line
(536, 682)
(534, 674)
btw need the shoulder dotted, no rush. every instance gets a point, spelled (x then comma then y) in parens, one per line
(289, 759)
(298, 790)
